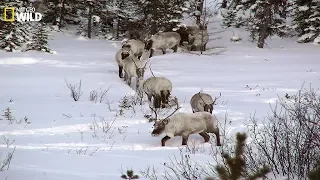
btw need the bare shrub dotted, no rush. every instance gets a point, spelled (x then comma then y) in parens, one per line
(5, 163)
(103, 93)
(95, 95)
(84, 150)
(126, 102)
(179, 168)
(184, 168)
(289, 139)
(149, 173)
(75, 90)
(102, 129)
(7, 141)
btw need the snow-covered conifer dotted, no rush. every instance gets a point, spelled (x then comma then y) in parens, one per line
(13, 35)
(40, 39)
(307, 20)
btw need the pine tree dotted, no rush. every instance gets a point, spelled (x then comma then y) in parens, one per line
(51, 12)
(40, 39)
(238, 13)
(268, 19)
(307, 20)
(130, 175)
(315, 174)
(61, 12)
(236, 166)
(103, 15)
(13, 35)
(229, 19)
(161, 15)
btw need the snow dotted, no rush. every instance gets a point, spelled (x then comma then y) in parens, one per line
(317, 40)
(60, 143)
(306, 37)
(303, 8)
(96, 18)
(235, 37)
(18, 61)
(82, 38)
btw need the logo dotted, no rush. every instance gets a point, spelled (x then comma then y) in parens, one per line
(21, 14)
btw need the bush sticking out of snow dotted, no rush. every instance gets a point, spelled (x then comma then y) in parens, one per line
(98, 97)
(5, 163)
(103, 129)
(75, 90)
(290, 136)
(7, 115)
(129, 175)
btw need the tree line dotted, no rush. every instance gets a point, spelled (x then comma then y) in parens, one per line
(110, 19)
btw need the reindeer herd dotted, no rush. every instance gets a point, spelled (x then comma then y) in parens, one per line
(158, 89)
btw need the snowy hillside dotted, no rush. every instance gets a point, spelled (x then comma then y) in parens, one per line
(59, 138)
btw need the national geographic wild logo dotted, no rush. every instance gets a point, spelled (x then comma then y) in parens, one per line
(22, 14)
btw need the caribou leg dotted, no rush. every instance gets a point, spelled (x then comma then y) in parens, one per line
(175, 48)
(205, 136)
(163, 140)
(120, 71)
(218, 137)
(185, 140)
(151, 53)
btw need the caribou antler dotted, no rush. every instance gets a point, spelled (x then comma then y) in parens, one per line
(134, 62)
(151, 71)
(146, 64)
(176, 109)
(201, 98)
(215, 99)
(155, 113)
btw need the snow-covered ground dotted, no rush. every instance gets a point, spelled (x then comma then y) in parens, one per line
(60, 143)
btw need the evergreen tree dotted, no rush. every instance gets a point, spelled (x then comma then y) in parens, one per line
(307, 20)
(229, 19)
(195, 9)
(51, 11)
(130, 175)
(236, 166)
(268, 19)
(161, 15)
(238, 13)
(315, 173)
(62, 12)
(40, 39)
(13, 35)
(103, 15)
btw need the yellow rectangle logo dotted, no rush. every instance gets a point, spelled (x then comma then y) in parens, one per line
(8, 9)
